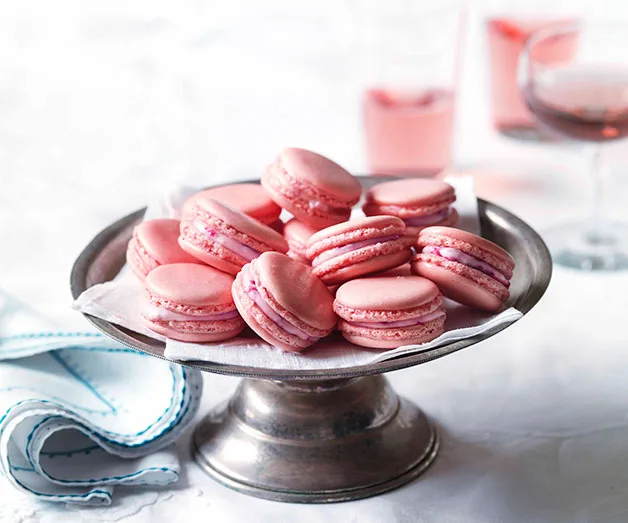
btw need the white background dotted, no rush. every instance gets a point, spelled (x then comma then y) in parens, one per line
(103, 103)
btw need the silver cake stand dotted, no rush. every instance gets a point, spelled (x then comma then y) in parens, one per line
(318, 436)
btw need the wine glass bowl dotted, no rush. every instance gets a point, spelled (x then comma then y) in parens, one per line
(583, 97)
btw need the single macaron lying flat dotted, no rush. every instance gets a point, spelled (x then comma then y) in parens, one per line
(225, 238)
(467, 268)
(314, 189)
(358, 247)
(283, 302)
(249, 198)
(418, 202)
(191, 302)
(297, 235)
(386, 312)
(154, 243)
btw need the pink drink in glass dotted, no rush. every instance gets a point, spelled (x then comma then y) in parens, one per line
(585, 103)
(408, 132)
(506, 37)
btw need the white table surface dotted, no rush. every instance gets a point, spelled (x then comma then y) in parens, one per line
(101, 104)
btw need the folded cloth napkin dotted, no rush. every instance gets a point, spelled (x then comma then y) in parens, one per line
(80, 413)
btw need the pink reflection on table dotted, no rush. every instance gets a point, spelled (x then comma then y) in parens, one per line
(408, 132)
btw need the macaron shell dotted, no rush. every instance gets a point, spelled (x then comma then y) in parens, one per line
(296, 289)
(376, 262)
(214, 255)
(242, 224)
(402, 270)
(411, 197)
(314, 189)
(461, 283)
(297, 235)
(198, 332)
(154, 243)
(391, 338)
(265, 328)
(449, 221)
(385, 293)
(277, 226)
(300, 199)
(231, 223)
(321, 172)
(159, 239)
(476, 246)
(354, 231)
(248, 198)
(191, 285)
(140, 264)
(297, 257)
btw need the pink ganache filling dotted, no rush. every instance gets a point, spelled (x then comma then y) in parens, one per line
(251, 290)
(155, 313)
(426, 318)
(339, 251)
(429, 219)
(235, 246)
(456, 255)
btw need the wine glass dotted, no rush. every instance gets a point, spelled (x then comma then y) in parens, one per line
(585, 98)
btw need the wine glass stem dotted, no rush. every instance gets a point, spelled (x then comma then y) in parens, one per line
(595, 230)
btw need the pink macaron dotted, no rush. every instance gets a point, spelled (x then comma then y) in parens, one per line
(191, 302)
(419, 202)
(352, 249)
(402, 270)
(154, 243)
(249, 198)
(317, 191)
(386, 312)
(225, 238)
(297, 235)
(283, 302)
(467, 268)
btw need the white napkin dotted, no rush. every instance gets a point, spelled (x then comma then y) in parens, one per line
(76, 421)
(120, 302)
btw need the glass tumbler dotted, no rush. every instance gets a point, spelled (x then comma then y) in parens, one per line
(410, 61)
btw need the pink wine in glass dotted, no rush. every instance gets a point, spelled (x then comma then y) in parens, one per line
(506, 37)
(586, 102)
(408, 132)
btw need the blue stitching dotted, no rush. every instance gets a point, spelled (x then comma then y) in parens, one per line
(104, 433)
(101, 433)
(69, 453)
(60, 496)
(117, 434)
(4, 353)
(50, 334)
(99, 480)
(169, 428)
(47, 402)
(119, 478)
(179, 417)
(30, 437)
(56, 356)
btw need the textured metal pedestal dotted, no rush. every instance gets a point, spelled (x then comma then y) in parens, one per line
(315, 441)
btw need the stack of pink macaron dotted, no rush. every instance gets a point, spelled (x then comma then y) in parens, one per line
(379, 280)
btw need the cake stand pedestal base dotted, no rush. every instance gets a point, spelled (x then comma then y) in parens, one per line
(316, 441)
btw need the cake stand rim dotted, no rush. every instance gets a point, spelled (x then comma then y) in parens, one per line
(155, 348)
